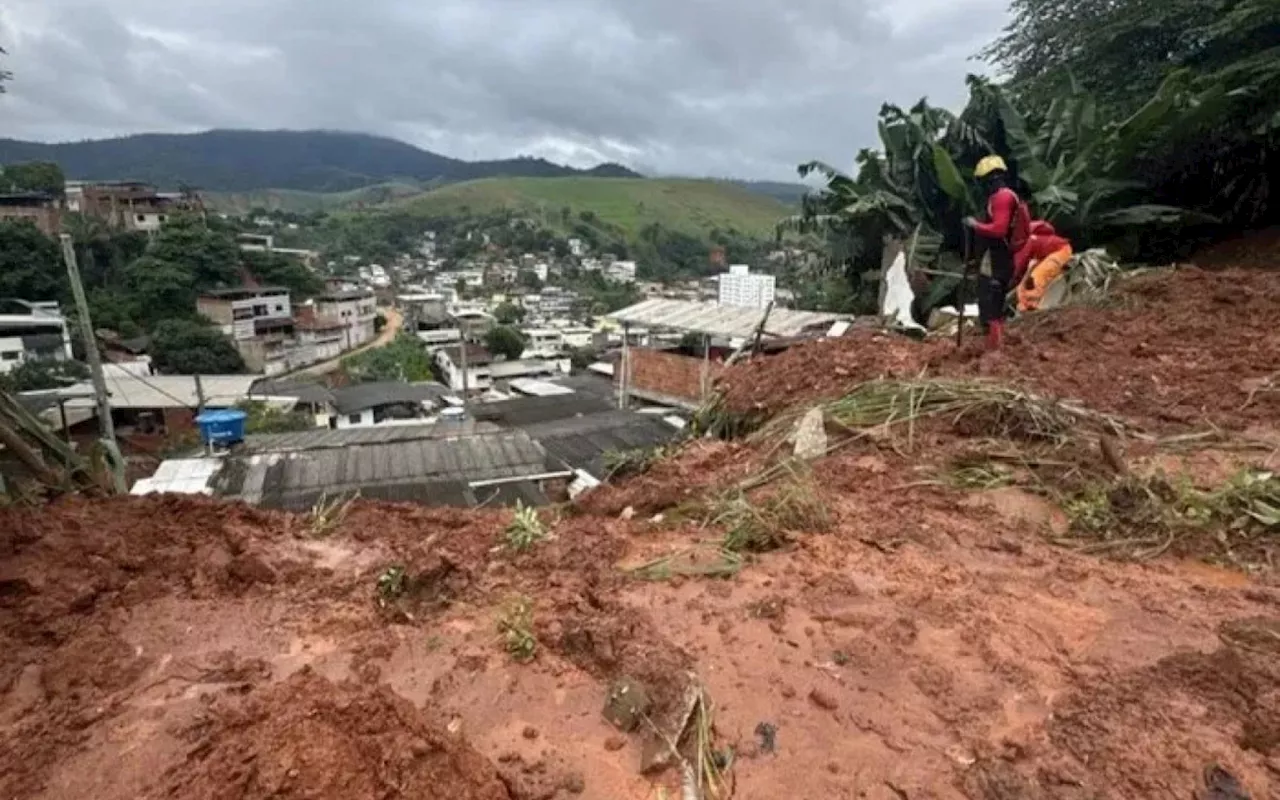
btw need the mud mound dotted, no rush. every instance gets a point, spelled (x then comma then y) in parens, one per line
(1179, 346)
(673, 480)
(1256, 250)
(69, 557)
(1181, 714)
(1175, 346)
(309, 737)
(824, 368)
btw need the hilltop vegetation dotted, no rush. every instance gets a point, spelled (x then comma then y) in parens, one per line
(237, 160)
(695, 207)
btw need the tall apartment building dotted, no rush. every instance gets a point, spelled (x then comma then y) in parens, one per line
(738, 287)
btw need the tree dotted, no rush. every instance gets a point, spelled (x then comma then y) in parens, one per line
(261, 417)
(160, 289)
(404, 359)
(509, 313)
(30, 263)
(32, 376)
(275, 269)
(529, 279)
(505, 341)
(211, 257)
(33, 176)
(186, 347)
(379, 322)
(5, 75)
(583, 357)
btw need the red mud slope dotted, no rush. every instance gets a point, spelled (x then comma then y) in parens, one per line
(926, 642)
(1174, 347)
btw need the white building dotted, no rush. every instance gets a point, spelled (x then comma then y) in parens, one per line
(577, 247)
(621, 271)
(356, 310)
(38, 332)
(244, 313)
(479, 373)
(738, 287)
(542, 342)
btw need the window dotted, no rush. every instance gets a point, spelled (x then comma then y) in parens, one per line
(260, 311)
(279, 307)
(13, 356)
(355, 419)
(142, 218)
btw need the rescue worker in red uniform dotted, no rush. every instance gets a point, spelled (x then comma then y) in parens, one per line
(1043, 260)
(1002, 237)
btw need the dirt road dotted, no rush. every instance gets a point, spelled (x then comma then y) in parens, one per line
(394, 320)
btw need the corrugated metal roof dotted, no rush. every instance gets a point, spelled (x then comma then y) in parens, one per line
(582, 442)
(718, 320)
(165, 391)
(402, 470)
(322, 438)
(521, 411)
(360, 396)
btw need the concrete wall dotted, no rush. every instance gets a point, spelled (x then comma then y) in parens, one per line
(658, 376)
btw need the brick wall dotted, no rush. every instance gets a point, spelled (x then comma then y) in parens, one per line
(670, 375)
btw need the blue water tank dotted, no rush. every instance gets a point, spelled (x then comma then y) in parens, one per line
(221, 427)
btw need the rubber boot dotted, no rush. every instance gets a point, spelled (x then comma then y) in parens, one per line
(995, 334)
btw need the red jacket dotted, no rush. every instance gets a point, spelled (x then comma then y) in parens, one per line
(1043, 242)
(1010, 220)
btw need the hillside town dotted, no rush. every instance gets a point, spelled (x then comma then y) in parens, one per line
(635, 401)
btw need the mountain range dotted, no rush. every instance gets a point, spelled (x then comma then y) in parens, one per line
(312, 161)
(322, 164)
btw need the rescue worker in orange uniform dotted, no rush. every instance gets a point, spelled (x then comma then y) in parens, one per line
(1003, 236)
(1043, 260)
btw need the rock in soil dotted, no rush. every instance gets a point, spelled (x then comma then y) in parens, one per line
(626, 704)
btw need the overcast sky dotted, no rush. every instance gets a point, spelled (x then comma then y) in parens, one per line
(744, 88)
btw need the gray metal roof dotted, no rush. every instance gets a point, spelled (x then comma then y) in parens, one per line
(522, 411)
(358, 397)
(717, 320)
(427, 470)
(325, 438)
(306, 391)
(582, 442)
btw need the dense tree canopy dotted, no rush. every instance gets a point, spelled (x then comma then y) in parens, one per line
(33, 176)
(1127, 122)
(31, 265)
(505, 341)
(188, 347)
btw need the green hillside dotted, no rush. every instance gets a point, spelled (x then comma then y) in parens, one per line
(301, 202)
(689, 206)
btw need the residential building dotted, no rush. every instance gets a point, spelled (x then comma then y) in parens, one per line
(325, 336)
(32, 332)
(577, 247)
(132, 205)
(357, 310)
(43, 210)
(386, 403)
(542, 342)
(473, 323)
(621, 271)
(738, 287)
(577, 336)
(265, 243)
(479, 374)
(246, 312)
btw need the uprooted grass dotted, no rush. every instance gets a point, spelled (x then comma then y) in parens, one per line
(756, 526)
(975, 408)
(1237, 523)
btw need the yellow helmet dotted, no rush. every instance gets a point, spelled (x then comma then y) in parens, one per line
(989, 165)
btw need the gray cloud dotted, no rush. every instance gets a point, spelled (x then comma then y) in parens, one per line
(713, 87)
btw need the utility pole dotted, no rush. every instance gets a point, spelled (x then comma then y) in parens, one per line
(462, 350)
(105, 425)
(199, 395)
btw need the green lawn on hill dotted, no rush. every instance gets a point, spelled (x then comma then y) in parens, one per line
(692, 206)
